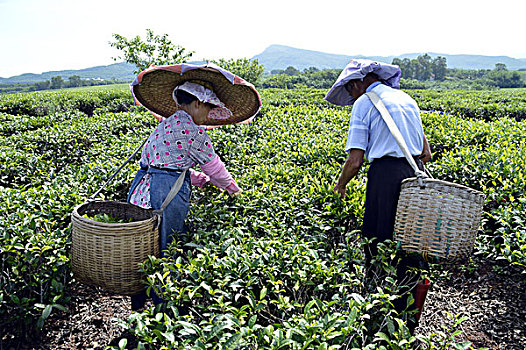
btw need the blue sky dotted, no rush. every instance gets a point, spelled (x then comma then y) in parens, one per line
(46, 35)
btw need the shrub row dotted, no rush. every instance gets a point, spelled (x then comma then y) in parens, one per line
(486, 105)
(67, 101)
(279, 266)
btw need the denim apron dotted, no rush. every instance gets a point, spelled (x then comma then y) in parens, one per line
(161, 182)
(173, 216)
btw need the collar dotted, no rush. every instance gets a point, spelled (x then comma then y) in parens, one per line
(182, 114)
(372, 86)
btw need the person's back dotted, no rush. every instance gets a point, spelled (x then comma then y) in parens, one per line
(405, 113)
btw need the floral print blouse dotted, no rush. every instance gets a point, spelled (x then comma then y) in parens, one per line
(177, 143)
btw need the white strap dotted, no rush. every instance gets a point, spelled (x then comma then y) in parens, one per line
(395, 131)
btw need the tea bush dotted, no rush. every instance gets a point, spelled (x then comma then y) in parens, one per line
(45, 170)
(489, 157)
(280, 266)
(291, 189)
(487, 105)
(66, 101)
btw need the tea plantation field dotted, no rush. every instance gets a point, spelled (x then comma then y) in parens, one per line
(280, 267)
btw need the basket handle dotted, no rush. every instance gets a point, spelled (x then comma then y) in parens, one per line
(386, 116)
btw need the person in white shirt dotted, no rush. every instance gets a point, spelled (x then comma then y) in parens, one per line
(370, 138)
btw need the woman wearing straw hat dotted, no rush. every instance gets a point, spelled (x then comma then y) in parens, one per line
(370, 138)
(188, 98)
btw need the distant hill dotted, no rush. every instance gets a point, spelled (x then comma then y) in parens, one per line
(117, 71)
(281, 57)
(278, 57)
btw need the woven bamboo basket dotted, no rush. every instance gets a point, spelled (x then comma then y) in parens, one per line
(439, 218)
(107, 254)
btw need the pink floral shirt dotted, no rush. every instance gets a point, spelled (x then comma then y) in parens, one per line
(177, 143)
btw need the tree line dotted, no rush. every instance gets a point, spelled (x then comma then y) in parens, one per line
(423, 68)
(422, 72)
(55, 83)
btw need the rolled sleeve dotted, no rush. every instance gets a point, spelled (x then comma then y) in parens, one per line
(358, 135)
(219, 176)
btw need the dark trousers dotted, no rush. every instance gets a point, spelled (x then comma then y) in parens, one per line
(384, 179)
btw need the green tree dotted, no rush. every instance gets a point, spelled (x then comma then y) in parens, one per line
(500, 67)
(57, 82)
(424, 67)
(405, 66)
(310, 77)
(250, 70)
(419, 68)
(321, 79)
(74, 81)
(291, 71)
(470, 74)
(280, 81)
(157, 50)
(41, 85)
(439, 68)
(504, 78)
(311, 70)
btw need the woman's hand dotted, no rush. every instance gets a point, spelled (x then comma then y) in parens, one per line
(235, 194)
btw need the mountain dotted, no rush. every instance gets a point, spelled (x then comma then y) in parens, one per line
(118, 71)
(281, 57)
(278, 57)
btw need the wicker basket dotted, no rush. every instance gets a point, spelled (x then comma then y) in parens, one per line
(107, 254)
(440, 218)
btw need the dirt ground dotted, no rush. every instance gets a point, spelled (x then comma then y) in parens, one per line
(493, 298)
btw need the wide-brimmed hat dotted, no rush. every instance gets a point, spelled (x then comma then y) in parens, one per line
(357, 69)
(154, 86)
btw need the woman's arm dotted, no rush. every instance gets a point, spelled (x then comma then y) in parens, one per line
(219, 176)
(198, 178)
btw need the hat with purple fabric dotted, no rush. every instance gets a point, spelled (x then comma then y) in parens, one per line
(357, 69)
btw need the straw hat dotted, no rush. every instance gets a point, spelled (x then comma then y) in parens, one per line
(153, 89)
(357, 69)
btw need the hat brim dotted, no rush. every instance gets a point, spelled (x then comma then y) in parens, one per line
(357, 69)
(153, 89)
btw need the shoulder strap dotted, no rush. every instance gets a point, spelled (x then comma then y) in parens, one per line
(394, 131)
